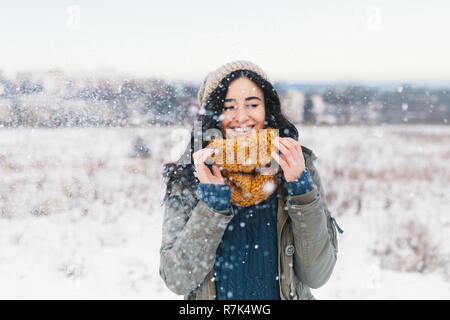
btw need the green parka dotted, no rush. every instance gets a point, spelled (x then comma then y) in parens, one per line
(192, 231)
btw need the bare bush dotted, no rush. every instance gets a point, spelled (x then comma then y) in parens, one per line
(413, 248)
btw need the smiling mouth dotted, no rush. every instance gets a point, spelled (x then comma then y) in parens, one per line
(242, 130)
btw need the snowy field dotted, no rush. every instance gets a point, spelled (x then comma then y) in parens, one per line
(80, 217)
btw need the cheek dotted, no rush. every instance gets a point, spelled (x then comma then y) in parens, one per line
(260, 116)
(225, 123)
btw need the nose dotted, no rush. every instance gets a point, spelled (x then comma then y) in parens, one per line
(241, 114)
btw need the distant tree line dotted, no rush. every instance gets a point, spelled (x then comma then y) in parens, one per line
(405, 104)
(142, 102)
(137, 102)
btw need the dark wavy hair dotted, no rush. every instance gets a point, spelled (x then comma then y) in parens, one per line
(209, 117)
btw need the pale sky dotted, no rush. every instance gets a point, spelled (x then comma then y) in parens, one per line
(306, 41)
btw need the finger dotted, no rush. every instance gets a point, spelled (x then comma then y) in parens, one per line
(217, 173)
(282, 156)
(203, 172)
(297, 156)
(295, 145)
(201, 156)
(202, 176)
(284, 165)
(290, 145)
(286, 152)
(298, 147)
(208, 155)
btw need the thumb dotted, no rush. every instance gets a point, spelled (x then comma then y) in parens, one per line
(217, 172)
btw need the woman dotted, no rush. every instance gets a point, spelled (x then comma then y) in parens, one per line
(245, 235)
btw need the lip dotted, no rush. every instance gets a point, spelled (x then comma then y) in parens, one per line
(236, 133)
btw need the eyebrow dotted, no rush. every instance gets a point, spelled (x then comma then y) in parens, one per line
(248, 98)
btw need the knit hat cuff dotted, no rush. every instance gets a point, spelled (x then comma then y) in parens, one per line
(213, 78)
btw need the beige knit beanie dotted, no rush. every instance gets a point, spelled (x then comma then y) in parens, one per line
(213, 78)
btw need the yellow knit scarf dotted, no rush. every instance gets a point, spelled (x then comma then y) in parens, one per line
(246, 162)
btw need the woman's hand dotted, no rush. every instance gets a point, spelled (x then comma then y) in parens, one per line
(291, 160)
(203, 172)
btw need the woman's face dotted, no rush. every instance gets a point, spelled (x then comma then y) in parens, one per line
(243, 111)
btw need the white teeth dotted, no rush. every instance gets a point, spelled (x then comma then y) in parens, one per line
(244, 129)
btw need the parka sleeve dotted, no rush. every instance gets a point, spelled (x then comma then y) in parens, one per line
(314, 234)
(189, 242)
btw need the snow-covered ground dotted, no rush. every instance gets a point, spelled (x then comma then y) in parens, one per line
(81, 218)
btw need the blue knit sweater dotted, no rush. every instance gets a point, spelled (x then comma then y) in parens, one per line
(246, 264)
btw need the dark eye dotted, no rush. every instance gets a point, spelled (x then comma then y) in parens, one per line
(228, 108)
(254, 105)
